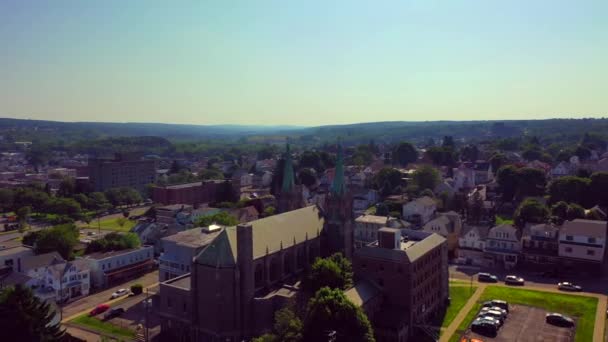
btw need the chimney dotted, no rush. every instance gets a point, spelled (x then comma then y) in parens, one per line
(389, 238)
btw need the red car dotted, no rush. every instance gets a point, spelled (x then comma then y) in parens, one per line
(99, 309)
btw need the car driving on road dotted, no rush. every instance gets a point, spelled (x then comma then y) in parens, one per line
(487, 277)
(514, 280)
(567, 286)
(119, 293)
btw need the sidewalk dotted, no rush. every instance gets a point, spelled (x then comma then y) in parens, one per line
(453, 327)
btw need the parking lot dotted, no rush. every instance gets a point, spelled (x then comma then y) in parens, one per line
(527, 324)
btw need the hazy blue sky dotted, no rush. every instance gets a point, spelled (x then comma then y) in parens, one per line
(307, 62)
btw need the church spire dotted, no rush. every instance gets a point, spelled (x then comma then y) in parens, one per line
(288, 176)
(338, 186)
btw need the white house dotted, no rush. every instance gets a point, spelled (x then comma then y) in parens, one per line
(14, 256)
(472, 243)
(503, 246)
(448, 225)
(582, 241)
(63, 281)
(562, 169)
(420, 211)
(464, 177)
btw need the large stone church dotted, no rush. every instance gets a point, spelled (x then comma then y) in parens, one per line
(251, 270)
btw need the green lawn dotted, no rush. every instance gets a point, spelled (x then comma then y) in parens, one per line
(103, 327)
(503, 220)
(111, 224)
(580, 307)
(459, 295)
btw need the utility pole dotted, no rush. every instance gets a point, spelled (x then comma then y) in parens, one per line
(147, 305)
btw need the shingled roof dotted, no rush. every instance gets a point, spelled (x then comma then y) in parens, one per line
(270, 234)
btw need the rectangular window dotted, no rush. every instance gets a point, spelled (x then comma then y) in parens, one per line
(591, 240)
(569, 237)
(568, 249)
(590, 252)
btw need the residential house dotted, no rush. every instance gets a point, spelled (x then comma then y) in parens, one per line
(583, 243)
(464, 178)
(472, 243)
(483, 172)
(62, 280)
(420, 211)
(448, 225)
(562, 169)
(503, 246)
(540, 245)
(14, 256)
(113, 267)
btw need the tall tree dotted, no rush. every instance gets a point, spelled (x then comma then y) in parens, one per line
(531, 211)
(599, 188)
(24, 317)
(405, 153)
(507, 180)
(426, 177)
(330, 313)
(334, 272)
(569, 189)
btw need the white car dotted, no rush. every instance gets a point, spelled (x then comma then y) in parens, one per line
(120, 293)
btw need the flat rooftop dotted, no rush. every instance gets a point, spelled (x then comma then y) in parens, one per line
(13, 250)
(194, 237)
(181, 282)
(183, 186)
(371, 219)
(104, 255)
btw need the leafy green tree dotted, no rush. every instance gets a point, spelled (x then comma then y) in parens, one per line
(532, 153)
(211, 174)
(441, 155)
(61, 238)
(307, 177)
(6, 199)
(64, 206)
(469, 153)
(405, 153)
(37, 155)
(334, 272)
(121, 221)
(269, 211)
(426, 177)
(114, 242)
(530, 182)
(575, 211)
(507, 179)
(98, 201)
(67, 187)
(531, 211)
(331, 313)
(559, 212)
(387, 175)
(599, 188)
(569, 189)
(287, 327)
(22, 214)
(582, 152)
(24, 317)
(82, 199)
(222, 218)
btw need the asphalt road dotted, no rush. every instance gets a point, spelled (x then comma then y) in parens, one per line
(86, 304)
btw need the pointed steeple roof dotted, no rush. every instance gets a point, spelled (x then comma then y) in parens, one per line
(288, 176)
(338, 185)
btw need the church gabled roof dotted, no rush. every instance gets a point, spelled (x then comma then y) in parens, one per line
(338, 185)
(288, 175)
(269, 234)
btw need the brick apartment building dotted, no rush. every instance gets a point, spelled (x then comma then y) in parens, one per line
(407, 270)
(190, 193)
(125, 170)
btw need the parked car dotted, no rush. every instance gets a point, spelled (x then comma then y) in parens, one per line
(559, 320)
(114, 313)
(99, 309)
(487, 277)
(496, 321)
(514, 280)
(484, 327)
(502, 311)
(120, 293)
(567, 286)
(497, 302)
(492, 313)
